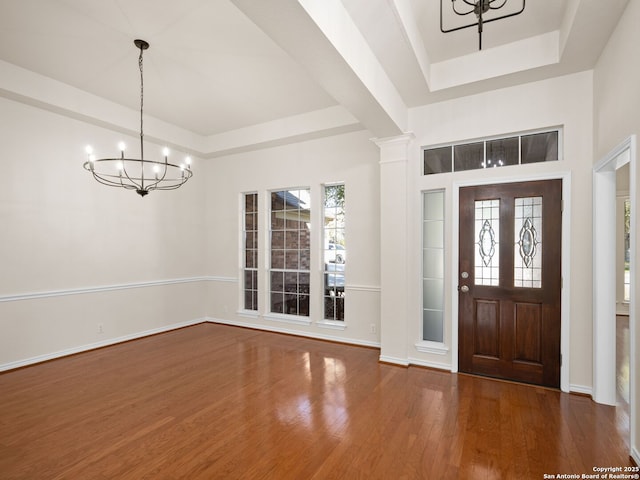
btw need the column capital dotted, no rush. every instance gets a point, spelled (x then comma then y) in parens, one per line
(396, 140)
(394, 149)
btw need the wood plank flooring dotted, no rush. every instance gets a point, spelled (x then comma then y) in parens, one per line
(219, 402)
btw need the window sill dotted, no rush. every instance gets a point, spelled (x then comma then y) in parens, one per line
(331, 324)
(294, 319)
(436, 348)
(248, 313)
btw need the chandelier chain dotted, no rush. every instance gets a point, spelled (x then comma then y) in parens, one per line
(141, 105)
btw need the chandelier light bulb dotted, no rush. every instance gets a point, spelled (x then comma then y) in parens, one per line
(88, 149)
(165, 151)
(187, 161)
(121, 146)
(120, 166)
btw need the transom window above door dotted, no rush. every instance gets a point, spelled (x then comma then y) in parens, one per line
(492, 153)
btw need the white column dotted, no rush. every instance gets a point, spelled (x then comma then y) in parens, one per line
(604, 294)
(394, 243)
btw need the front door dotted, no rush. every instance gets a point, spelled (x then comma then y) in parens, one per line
(510, 280)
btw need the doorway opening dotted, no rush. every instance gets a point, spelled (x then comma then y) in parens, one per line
(611, 368)
(565, 267)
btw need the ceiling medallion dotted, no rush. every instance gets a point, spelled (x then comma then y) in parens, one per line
(479, 8)
(140, 175)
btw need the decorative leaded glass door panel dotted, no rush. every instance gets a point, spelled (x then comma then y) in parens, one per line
(510, 281)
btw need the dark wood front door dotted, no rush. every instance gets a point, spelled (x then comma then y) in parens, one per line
(510, 281)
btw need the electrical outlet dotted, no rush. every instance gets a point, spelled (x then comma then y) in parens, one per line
(372, 328)
(100, 329)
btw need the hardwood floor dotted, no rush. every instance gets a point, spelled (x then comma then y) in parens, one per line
(214, 401)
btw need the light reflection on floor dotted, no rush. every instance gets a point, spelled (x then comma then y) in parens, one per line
(326, 374)
(622, 374)
(622, 358)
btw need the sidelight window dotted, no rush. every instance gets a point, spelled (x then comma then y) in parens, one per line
(250, 235)
(335, 252)
(433, 266)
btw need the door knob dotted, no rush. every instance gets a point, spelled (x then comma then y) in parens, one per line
(464, 289)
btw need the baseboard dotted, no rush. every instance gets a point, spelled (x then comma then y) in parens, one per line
(403, 362)
(92, 346)
(581, 389)
(298, 333)
(436, 365)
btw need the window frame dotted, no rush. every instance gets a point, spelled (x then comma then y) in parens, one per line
(295, 318)
(244, 253)
(485, 140)
(327, 272)
(432, 345)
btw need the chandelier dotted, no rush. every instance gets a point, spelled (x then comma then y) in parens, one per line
(479, 8)
(140, 175)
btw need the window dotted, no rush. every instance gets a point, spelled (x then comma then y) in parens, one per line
(627, 249)
(250, 235)
(527, 254)
(498, 152)
(335, 253)
(433, 266)
(487, 233)
(290, 252)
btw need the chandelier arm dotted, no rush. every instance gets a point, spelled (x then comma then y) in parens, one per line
(105, 178)
(493, 19)
(462, 14)
(152, 185)
(119, 180)
(504, 2)
(133, 182)
(444, 30)
(172, 186)
(110, 183)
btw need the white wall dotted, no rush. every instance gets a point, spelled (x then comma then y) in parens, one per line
(65, 238)
(617, 115)
(564, 101)
(84, 265)
(350, 158)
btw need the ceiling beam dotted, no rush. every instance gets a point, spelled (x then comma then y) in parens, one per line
(321, 36)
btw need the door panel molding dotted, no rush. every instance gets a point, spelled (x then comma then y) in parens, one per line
(528, 332)
(487, 327)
